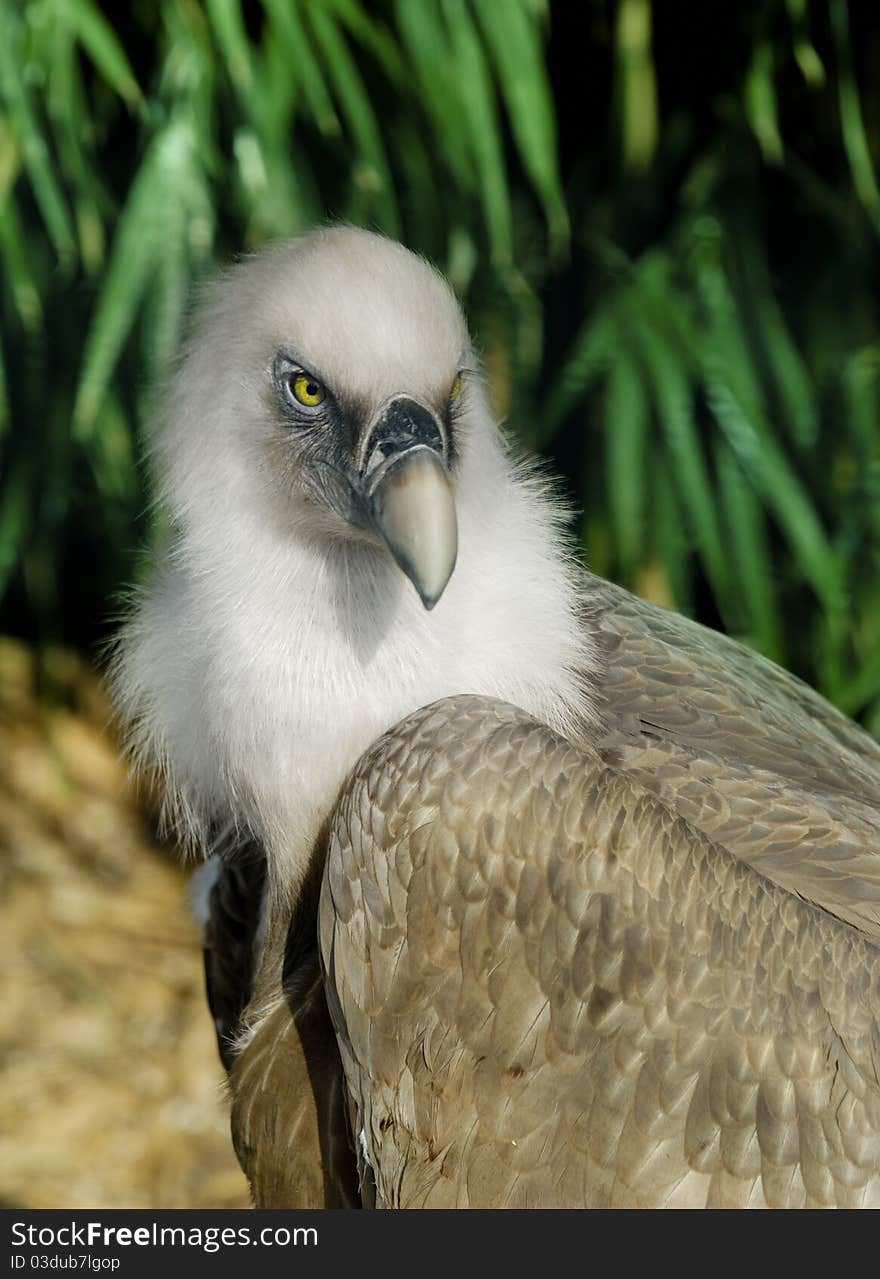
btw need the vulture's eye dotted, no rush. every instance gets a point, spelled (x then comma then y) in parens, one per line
(455, 389)
(306, 390)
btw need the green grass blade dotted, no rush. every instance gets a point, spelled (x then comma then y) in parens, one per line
(636, 84)
(673, 396)
(655, 284)
(483, 131)
(169, 288)
(371, 175)
(667, 536)
(811, 65)
(67, 108)
(304, 67)
(227, 24)
(774, 480)
(591, 352)
(862, 688)
(135, 252)
(35, 153)
(15, 254)
(513, 41)
(426, 44)
(760, 103)
(111, 456)
(855, 140)
(272, 189)
(751, 566)
(861, 402)
(726, 334)
(374, 36)
(103, 47)
(626, 418)
(278, 89)
(190, 78)
(737, 400)
(784, 362)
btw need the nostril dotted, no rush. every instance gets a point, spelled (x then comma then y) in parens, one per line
(402, 425)
(381, 450)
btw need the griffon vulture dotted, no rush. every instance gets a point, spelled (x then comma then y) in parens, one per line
(600, 906)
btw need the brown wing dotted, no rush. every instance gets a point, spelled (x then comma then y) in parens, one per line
(290, 1121)
(290, 1125)
(231, 937)
(745, 751)
(550, 989)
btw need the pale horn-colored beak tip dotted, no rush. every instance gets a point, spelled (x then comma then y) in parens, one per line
(414, 511)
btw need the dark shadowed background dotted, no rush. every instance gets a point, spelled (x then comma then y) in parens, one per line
(663, 220)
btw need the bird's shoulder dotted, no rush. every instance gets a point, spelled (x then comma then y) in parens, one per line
(742, 749)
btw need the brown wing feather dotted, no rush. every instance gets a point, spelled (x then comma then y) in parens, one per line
(550, 989)
(706, 689)
(742, 749)
(290, 1124)
(290, 1121)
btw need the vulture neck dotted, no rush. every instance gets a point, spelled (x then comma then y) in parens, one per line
(327, 645)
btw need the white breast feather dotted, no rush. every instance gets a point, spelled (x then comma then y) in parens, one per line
(254, 682)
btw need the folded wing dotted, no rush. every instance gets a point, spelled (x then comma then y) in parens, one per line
(551, 988)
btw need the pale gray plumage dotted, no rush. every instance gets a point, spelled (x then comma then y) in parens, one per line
(604, 931)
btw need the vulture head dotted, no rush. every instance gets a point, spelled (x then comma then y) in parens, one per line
(325, 446)
(327, 389)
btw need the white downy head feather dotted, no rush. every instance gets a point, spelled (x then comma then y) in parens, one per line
(272, 643)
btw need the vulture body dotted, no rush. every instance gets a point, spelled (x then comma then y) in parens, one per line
(523, 892)
(618, 973)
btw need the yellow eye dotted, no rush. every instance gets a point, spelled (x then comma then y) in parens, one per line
(455, 390)
(307, 391)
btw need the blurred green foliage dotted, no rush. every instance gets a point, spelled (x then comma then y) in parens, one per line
(664, 220)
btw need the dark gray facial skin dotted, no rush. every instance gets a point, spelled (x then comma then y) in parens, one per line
(388, 474)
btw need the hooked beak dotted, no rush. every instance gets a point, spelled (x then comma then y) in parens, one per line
(408, 494)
